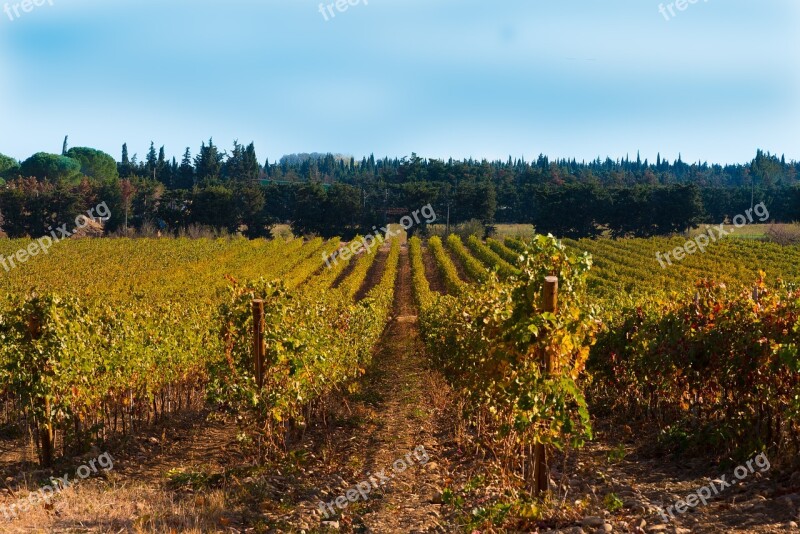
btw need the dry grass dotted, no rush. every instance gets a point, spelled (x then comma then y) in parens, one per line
(282, 231)
(784, 234)
(117, 506)
(748, 231)
(514, 230)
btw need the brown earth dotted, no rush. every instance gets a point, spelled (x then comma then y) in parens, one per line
(432, 273)
(459, 265)
(374, 273)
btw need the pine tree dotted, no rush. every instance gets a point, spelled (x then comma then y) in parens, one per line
(234, 167)
(186, 172)
(251, 169)
(151, 163)
(169, 173)
(124, 168)
(163, 170)
(208, 163)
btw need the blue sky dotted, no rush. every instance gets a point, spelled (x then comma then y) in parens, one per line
(460, 78)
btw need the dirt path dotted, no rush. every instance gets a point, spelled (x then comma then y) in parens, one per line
(383, 438)
(344, 274)
(459, 265)
(405, 442)
(432, 273)
(375, 272)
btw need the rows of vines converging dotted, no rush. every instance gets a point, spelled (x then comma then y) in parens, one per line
(317, 339)
(489, 341)
(706, 347)
(718, 369)
(101, 337)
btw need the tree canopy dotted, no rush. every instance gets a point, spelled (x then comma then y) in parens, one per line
(329, 194)
(51, 167)
(8, 168)
(95, 163)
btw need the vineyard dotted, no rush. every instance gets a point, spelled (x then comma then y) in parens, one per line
(95, 346)
(536, 343)
(708, 347)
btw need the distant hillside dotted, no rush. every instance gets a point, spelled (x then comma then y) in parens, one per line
(299, 159)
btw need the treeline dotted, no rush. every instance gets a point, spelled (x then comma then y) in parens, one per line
(338, 195)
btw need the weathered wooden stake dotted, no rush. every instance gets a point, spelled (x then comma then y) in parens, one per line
(258, 340)
(550, 305)
(45, 427)
(47, 437)
(541, 471)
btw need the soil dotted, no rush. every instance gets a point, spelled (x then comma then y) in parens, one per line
(459, 265)
(346, 271)
(392, 425)
(375, 272)
(432, 273)
(620, 462)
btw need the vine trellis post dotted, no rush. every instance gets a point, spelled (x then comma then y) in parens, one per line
(258, 341)
(541, 469)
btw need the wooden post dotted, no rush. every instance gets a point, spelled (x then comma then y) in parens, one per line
(45, 427)
(258, 341)
(46, 436)
(550, 305)
(541, 471)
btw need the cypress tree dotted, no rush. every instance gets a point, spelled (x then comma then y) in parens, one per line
(151, 163)
(186, 171)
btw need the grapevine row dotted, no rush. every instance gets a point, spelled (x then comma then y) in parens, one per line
(490, 258)
(489, 343)
(316, 341)
(356, 277)
(475, 270)
(451, 279)
(503, 251)
(422, 289)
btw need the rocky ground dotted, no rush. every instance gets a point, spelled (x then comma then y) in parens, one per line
(763, 502)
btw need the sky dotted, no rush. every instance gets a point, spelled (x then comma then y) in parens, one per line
(442, 78)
